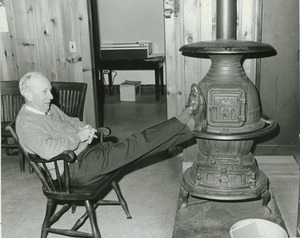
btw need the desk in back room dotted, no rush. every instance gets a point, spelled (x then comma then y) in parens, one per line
(153, 63)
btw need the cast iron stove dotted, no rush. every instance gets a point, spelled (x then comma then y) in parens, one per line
(225, 168)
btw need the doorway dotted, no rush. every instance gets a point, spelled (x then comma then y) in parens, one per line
(130, 22)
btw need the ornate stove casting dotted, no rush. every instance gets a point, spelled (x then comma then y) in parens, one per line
(224, 168)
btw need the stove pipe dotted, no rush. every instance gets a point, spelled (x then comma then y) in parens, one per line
(226, 19)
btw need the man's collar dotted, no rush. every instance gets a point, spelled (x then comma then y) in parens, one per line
(29, 108)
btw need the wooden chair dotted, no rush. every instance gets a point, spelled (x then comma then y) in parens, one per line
(62, 192)
(69, 97)
(11, 103)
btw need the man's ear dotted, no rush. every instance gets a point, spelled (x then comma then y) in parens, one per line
(28, 96)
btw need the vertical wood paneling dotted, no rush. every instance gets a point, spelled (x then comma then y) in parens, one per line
(191, 34)
(279, 89)
(44, 38)
(7, 59)
(247, 30)
(24, 36)
(40, 34)
(199, 25)
(59, 48)
(207, 31)
(174, 73)
(86, 55)
(71, 33)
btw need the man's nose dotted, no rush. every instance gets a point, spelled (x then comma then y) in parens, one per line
(50, 96)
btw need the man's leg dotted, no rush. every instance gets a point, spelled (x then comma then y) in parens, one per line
(104, 158)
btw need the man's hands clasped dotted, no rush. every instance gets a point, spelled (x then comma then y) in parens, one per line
(87, 133)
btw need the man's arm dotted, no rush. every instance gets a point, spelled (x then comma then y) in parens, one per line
(74, 121)
(85, 131)
(34, 137)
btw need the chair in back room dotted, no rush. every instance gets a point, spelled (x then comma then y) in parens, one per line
(69, 97)
(11, 103)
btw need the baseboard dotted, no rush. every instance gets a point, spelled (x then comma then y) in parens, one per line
(277, 149)
(293, 150)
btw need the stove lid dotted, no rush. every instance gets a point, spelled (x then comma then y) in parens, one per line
(249, 49)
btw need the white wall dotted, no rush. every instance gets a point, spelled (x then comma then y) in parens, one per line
(133, 20)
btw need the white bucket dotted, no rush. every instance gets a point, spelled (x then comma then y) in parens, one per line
(259, 228)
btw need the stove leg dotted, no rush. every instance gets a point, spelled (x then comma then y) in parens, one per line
(266, 197)
(183, 198)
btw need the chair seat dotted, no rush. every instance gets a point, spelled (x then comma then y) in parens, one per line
(87, 192)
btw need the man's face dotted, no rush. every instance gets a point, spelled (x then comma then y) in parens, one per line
(40, 94)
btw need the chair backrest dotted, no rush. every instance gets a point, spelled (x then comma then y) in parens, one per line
(11, 100)
(69, 97)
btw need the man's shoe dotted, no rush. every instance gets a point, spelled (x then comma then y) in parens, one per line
(197, 103)
(194, 98)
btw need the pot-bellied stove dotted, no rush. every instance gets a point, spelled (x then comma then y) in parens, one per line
(224, 168)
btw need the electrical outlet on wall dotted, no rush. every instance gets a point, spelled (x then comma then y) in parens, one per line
(72, 46)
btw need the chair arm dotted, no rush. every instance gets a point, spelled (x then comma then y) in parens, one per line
(9, 128)
(67, 155)
(9, 125)
(104, 131)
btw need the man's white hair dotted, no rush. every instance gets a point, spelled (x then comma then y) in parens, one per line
(24, 81)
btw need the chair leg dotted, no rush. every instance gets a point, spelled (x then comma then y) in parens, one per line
(92, 215)
(30, 168)
(49, 212)
(22, 162)
(121, 199)
(5, 141)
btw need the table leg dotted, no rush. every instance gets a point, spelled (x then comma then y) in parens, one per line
(111, 93)
(157, 87)
(161, 75)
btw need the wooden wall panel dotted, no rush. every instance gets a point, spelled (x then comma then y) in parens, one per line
(279, 88)
(248, 29)
(174, 65)
(7, 59)
(71, 32)
(40, 34)
(61, 66)
(44, 38)
(207, 31)
(87, 64)
(23, 35)
(195, 30)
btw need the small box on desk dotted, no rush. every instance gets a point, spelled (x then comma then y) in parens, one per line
(129, 90)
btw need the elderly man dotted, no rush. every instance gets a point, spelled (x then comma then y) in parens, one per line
(47, 131)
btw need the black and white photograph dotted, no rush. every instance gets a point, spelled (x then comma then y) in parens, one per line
(150, 118)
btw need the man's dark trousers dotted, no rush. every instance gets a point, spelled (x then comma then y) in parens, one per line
(103, 158)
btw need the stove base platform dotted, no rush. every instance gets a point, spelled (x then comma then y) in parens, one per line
(209, 218)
